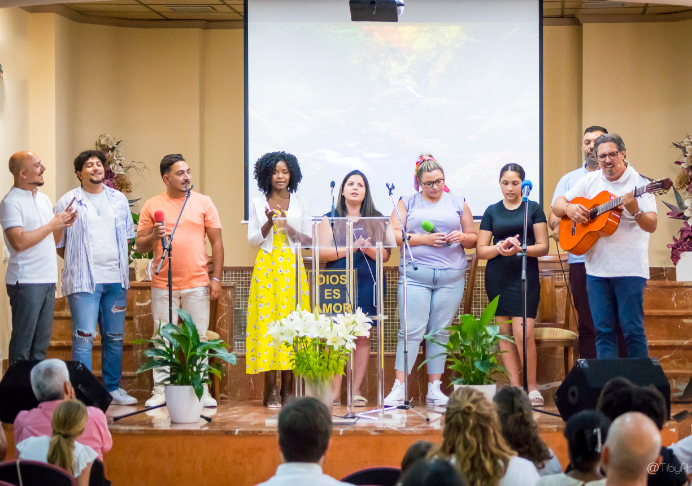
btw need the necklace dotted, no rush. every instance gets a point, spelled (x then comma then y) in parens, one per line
(98, 209)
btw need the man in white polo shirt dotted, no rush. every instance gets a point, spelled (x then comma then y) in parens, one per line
(617, 267)
(31, 231)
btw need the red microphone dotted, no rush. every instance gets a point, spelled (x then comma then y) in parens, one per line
(158, 217)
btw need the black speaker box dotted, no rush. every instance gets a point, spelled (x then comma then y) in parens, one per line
(583, 384)
(16, 393)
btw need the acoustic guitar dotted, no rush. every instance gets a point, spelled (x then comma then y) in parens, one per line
(604, 217)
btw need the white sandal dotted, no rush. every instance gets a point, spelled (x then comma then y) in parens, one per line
(536, 398)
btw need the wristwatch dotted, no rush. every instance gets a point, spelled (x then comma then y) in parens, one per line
(638, 215)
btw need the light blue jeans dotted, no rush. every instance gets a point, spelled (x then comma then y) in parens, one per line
(107, 306)
(433, 301)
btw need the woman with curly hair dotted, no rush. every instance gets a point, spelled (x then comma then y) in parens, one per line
(272, 287)
(472, 441)
(521, 431)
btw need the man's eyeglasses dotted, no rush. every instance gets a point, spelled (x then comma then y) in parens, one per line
(438, 182)
(611, 155)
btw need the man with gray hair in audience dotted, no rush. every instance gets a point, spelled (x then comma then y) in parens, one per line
(632, 450)
(50, 382)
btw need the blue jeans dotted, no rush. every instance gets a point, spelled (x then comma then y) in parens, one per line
(433, 301)
(107, 306)
(616, 298)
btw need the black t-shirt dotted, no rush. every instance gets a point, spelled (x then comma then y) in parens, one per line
(503, 222)
(671, 472)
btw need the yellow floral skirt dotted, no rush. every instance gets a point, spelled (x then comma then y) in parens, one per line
(272, 297)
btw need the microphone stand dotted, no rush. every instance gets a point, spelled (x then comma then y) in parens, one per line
(404, 246)
(168, 249)
(524, 288)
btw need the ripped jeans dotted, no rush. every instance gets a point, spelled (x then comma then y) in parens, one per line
(107, 306)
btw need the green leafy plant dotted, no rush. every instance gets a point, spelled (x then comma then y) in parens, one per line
(131, 248)
(188, 358)
(472, 348)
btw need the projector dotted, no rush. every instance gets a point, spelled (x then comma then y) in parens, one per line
(376, 10)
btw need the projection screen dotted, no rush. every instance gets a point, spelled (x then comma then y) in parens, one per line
(459, 79)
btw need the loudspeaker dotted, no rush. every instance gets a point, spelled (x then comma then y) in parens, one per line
(16, 393)
(583, 384)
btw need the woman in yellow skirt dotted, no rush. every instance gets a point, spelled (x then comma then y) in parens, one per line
(272, 288)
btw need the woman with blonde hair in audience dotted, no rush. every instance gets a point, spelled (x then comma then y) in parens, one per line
(521, 431)
(62, 449)
(472, 441)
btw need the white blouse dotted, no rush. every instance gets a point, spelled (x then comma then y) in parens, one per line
(298, 215)
(36, 449)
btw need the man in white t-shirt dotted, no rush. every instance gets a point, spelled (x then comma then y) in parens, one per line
(617, 267)
(96, 275)
(30, 231)
(577, 267)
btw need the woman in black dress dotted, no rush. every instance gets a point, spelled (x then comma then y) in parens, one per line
(499, 242)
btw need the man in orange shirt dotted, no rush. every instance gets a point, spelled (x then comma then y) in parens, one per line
(192, 288)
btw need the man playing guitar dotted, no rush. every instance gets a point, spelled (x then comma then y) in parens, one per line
(617, 266)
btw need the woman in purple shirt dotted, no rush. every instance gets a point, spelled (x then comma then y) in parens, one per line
(435, 289)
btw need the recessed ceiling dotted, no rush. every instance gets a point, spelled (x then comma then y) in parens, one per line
(231, 12)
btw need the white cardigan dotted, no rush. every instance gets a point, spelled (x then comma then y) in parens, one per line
(298, 215)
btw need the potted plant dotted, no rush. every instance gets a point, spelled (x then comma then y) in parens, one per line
(681, 248)
(472, 351)
(319, 346)
(188, 358)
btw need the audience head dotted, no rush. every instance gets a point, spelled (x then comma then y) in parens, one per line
(430, 176)
(305, 427)
(586, 432)
(277, 171)
(27, 170)
(418, 450)
(434, 472)
(175, 173)
(473, 437)
(620, 396)
(587, 144)
(85, 157)
(518, 426)
(50, 380)
(633, 444)
(69, 421)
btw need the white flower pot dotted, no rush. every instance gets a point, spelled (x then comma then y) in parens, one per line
(183, 405)
(683, 270)
(487, 390)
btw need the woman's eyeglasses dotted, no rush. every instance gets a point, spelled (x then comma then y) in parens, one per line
(438, 182)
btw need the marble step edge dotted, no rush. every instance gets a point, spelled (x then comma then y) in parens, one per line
(667, 343)
(97, 344)
(667, 313)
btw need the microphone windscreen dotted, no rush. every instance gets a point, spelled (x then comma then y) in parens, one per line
(526, 183)
(427, 226)
(332, 184)
(158, 216)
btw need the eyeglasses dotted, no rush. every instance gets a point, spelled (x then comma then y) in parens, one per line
(611, 155)
(438, 182)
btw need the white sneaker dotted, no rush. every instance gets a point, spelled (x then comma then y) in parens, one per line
(396, 396)
(207, 399)
(435, 395)
(158, 397)
(120, 397)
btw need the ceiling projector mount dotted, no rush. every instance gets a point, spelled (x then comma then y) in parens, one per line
(376, 10)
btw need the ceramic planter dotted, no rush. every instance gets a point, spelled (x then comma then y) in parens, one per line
(183, 405)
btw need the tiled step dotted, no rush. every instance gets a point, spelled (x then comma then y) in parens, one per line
(63, 350)
(62, 327)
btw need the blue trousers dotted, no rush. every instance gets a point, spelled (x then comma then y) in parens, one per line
(616, 298)
(107, 306)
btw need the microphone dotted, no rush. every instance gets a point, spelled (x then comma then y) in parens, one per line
(190, 188)
(158, 217)
(430, 228)
(526, 187)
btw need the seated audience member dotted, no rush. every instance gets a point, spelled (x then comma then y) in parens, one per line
(521, 431)
(50, 382)
(472, 441)
(620, 396)
(418, 450)
(62, 450)
(3, 444)
(434, 472)
(585, 432)
(632, 446)
(305, 428)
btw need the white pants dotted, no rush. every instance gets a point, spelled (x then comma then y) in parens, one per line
(193, 301)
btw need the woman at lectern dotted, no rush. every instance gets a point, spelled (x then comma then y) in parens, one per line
(435, 288)
(272, 287)
(355, 202)
(503, 223)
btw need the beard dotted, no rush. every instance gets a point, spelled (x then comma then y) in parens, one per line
(37, 184)
(591, 161)
(96, 180)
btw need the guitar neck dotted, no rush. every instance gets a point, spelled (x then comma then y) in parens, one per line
(613, 203)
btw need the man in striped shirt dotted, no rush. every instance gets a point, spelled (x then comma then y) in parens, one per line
(96, 274)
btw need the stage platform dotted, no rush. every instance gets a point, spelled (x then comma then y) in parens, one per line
(239, 446)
